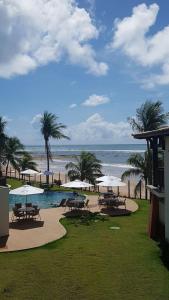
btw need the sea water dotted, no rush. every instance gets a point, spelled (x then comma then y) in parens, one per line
(113, 157)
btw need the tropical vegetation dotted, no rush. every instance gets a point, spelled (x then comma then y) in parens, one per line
(26, 162)
(139, 170)
(12, 152)
(50, 128)
(86, 167)
(149, 116)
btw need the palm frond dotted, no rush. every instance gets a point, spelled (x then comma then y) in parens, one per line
(131, 172)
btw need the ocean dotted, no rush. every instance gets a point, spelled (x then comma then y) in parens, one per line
(113, 157)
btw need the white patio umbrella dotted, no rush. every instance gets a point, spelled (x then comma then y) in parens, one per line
(77, 184)
(29, 172)
(111, 183)
(107, 178)
(26, 190)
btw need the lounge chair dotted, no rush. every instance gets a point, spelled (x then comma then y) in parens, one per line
(87, 204)
(62, 203)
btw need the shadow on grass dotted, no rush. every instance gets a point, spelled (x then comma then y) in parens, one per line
(84, 217)
(115, 212)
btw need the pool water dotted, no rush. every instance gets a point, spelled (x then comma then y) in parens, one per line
(45, 200)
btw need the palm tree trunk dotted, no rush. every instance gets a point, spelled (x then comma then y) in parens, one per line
(7, 168)
(47, 159)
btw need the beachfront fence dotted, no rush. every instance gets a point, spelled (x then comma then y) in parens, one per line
(128, 191)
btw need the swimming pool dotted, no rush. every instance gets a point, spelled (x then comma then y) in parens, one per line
(45, 200)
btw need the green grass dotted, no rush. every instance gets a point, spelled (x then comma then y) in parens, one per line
(91, 262)
(15, 183)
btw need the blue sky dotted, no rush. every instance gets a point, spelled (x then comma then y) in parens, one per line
(92, 63)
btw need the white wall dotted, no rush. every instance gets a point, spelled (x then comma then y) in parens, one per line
(166, 184)
(4, 211)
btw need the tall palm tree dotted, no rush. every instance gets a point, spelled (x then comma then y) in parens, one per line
(26, 162)
(50, 128)
(13, 149)
(85, 167)
(2, 141)
(150, 116)
(140, 169)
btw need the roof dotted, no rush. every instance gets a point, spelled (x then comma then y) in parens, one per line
(164, 131)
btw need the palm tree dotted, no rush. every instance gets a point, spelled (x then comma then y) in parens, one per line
(85, 167)
(13, 149)
(140, 168)
(2, 141)
(50, 128)
(150, 116)
(26, 162)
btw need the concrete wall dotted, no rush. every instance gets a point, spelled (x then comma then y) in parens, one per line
(4, 211)
(166, 187)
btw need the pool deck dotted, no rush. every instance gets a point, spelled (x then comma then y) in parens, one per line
(33, 234)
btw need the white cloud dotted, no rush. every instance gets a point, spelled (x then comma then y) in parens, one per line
(73, 105)
(97, 130)
(34, 33)
(95, 100)
(131, 36)
(35, 122)
(92, 6)
(7, 119)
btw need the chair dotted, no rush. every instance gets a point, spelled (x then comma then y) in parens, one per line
(101, 202)
(17, 214)
(35, 206)
(35, 213)
(18, 205)
(122, 202)
(69, 204)
(28, 205)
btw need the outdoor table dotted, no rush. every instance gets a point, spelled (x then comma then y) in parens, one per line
(26, 210)
(76, 203)
(111, 202)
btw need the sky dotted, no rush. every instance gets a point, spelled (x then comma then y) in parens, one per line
(90, 62)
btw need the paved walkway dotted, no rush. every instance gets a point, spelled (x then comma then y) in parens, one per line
(37, 233)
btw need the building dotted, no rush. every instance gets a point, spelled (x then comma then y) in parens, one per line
(4, 211)
(158, 141)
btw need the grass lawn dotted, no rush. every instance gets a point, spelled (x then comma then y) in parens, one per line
(91, 262)
(15, 183)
